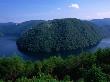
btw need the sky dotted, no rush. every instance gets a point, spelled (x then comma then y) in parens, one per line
(25, 10)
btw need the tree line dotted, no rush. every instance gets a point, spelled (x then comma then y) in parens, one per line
(87, 67)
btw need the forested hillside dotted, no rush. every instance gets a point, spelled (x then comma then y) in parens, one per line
(24, 26)
(59, 35)
(101, 22)
(104, 26)
(16, 29)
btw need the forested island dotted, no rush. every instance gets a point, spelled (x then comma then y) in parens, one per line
(59, 36)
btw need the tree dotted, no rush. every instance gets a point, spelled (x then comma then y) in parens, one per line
(95, 74)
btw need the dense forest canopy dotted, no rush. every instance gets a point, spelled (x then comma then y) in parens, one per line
(24, 26)
(86, 67)
(59, 35)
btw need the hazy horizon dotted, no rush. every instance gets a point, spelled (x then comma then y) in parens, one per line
(24, 10)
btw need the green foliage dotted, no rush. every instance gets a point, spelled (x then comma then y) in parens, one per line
(87, 60)
(50, 64)
(1, 80)
(87, 67)
(103, 56)
(59, 35)
(11, 68)
(95, 74)
(67, 78)
(42, 79)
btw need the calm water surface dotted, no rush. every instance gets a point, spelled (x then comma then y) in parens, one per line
(8, 47)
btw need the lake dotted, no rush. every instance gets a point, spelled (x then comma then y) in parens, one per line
(8, 47)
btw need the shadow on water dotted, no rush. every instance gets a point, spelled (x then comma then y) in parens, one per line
(63, 53)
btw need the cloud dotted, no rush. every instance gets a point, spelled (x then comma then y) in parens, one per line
(58, 8)
(74, 5)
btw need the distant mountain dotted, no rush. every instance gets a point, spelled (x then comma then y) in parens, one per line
(14, 29)
(103, 25)
(24, 26)
(59, 35)
(8, 28)
(101, 22)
